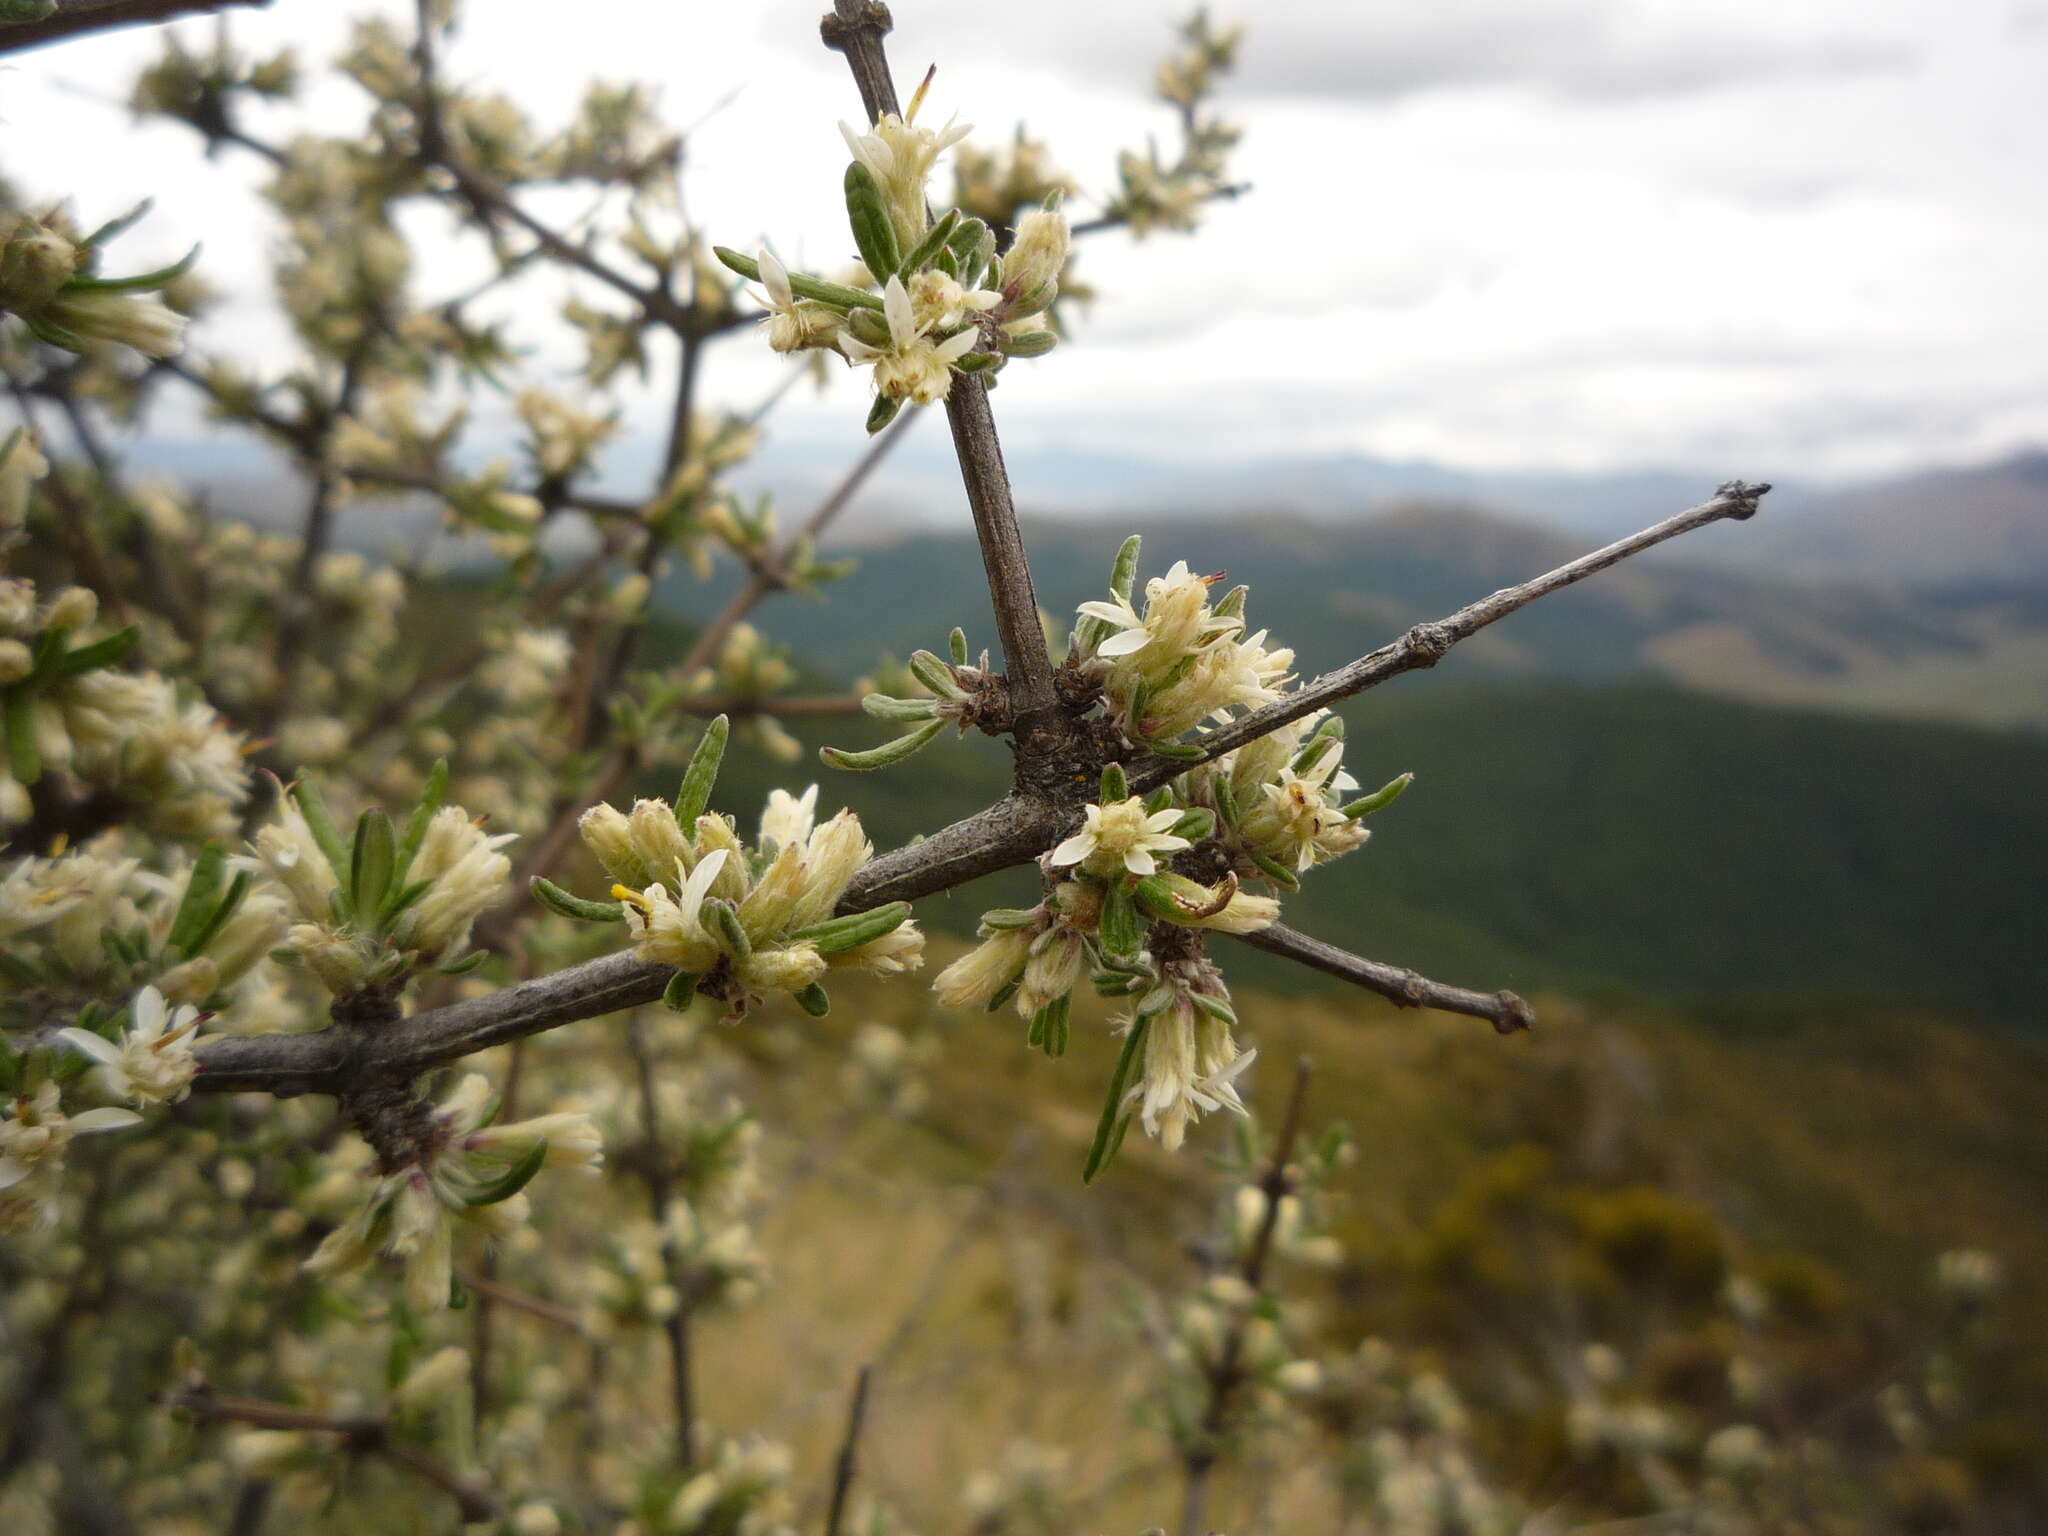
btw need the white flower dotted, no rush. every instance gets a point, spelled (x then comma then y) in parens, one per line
(666, 929)
(787, 820)
(792, 323)
(153, 1064)
(1121, 836)
(32, 1144)
(912, 366)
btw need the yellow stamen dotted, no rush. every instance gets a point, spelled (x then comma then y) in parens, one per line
(917, 96)
(631, 897)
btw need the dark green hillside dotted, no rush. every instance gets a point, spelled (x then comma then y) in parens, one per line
(1633, 836)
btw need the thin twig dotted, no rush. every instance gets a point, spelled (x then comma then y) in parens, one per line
(1227, 1373)
(1505, 1010)
(1426, 644)
(74, 18)
(654, 1170)
(373, 1435)
(843, 1465)
(1012, 831)
(856, 29)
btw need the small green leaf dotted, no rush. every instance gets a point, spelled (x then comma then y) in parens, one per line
(1115, 786)
(935, 675)
(956, 645)
(202, 894)
(1276, 872)
(553, 897)
(100, 654)
(1120, 1078)
(512, 1180)
(883, 756)
(921, 254)
(882, 412)
(462, 967)
(874, 235)
(320, 822)
(24, 761)
(839, 934)
(680, 992)
(1196, 824)
(422, 817)
(726, 929)
(1226, 800)
(370, 866)
(815, 1001)
(140, 280)
(695, 793)
(1380, 798)
(224, 909)
(1119, 929)
(804, 287)
(882, 707)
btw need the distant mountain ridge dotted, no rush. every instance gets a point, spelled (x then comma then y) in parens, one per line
(1334, 590)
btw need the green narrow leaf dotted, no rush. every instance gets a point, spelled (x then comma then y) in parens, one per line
(1115, 786)
(370, 866)
(1103, 1148)
(320, 822)
(1178, 751)
(883, 756)
(835, 294)
(226, 908)
(101, 653)
(462, 967)
(882, 412)
(874, 235)
(416, 825)
(1119, 929)
(1196, 824)
(1123, 571)
(883, 707)
(1380, 798)
(1277, 872)
(1226, 799)
(726, 927)
(680, 992)
(140, 280)
(815, 1001)
(24, 761)
(920, 255)
(513, 1179)
(553, 897)
(956, 645)
(839, 934)
(118, 226)
(202, 894)
(935, 675)
(695, 793)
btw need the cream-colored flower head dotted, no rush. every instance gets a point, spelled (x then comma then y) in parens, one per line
(1121, 836)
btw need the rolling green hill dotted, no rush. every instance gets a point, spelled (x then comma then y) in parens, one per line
(1630, 836)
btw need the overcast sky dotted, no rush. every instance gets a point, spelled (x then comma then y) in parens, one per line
(1753, 238)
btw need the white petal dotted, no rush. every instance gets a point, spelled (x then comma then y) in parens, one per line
(1074, 849)
(104, 1120)
(147, 1012)
(775, 278)
(1159, 821)
(12, 1172)
(896, 305)
(700, 882)
(1139, 862)
(1160, 843)
(1109, 613)
(1123, 644)
(955, 347)
(105, 1052)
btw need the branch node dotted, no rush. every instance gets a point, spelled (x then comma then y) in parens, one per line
(1745, 495)
(841, 31)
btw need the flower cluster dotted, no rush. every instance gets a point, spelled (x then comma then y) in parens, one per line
(33, 1137)
(49, 279)
(373, 910)
(72, 716)
(735, 922)
(460, 1167)
(948, 303)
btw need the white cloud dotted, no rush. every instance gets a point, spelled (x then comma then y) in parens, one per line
(1758, 239)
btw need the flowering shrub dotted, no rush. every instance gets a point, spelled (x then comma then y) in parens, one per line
(293, 831)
